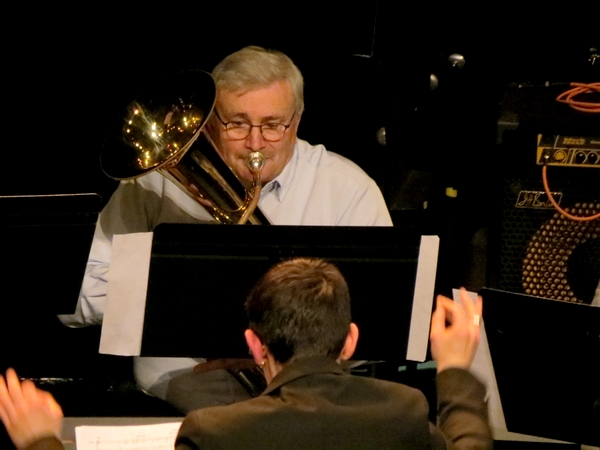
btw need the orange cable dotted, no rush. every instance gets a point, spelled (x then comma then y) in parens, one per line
(557, 206)
(568, 97)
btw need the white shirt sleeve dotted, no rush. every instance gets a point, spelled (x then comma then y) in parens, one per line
(136, 206)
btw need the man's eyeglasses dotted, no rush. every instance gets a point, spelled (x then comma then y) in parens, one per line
(271, 132)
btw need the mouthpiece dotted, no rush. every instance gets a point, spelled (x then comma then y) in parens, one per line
(255, 161)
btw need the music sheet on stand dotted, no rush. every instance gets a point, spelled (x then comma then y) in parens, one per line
(122, 326)
(139, 437)
(123, 322)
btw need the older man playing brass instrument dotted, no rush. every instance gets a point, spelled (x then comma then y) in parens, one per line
(259, 105)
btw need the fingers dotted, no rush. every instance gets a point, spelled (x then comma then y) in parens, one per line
(27, 412)
(468, 305)
(5, 403)
(453, 312)
(473, 309)
(16, 395)
(477, 313)
(14, 388)
(14, 384)
(455, 330)
(438, 320)
(29, 391)
(11, 396)
(479, 306)
(52, 404)
(448, 312)
(443, 314)
(471, 313)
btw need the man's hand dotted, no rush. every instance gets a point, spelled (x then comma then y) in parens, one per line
(27, 412)
(455, 331)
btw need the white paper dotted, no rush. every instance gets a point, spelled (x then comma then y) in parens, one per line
(123, 322)
(596, 300)
(418, 336)
(137, 437)
(483, 369)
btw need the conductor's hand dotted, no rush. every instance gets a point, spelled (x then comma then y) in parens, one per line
(27, 412)
(455, 331)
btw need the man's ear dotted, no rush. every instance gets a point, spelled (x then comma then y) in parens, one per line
(350, 344)
(256, 346)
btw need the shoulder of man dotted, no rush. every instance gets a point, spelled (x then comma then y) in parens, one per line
(391, 388)
(152, 180)
(212, 422)
(319, 156)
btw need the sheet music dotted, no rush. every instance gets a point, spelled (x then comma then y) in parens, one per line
(418, 337)
(138, 437)
(596, 300)
(123, 322)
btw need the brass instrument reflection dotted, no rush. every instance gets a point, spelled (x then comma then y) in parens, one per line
(164, 130)
(157, 141)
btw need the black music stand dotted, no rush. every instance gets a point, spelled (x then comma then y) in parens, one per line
(200, 275)
(45, 244)
(546, 358)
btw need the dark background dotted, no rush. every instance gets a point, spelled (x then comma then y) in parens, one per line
(68, 73)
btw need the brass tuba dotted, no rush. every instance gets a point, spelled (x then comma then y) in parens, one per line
(164, 130)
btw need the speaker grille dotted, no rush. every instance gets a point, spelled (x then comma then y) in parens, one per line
(545, 269)
(545, 254)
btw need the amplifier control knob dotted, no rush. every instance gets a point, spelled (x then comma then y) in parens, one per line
(560, 156)
(593, 158)
(580, 157)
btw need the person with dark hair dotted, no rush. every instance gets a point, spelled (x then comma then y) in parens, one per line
(300, 309)
(300, 330)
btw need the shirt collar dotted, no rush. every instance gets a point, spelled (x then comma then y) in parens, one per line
(280, 185)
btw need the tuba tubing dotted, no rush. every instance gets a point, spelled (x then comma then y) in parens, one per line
(164, 130)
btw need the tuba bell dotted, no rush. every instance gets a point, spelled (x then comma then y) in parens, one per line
(164, 130)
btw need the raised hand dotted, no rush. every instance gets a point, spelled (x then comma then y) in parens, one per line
(455, 331)
(27, 412)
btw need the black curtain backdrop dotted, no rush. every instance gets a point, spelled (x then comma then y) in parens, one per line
(69, 72)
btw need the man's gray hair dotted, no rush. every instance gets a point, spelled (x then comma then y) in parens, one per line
(255, 67)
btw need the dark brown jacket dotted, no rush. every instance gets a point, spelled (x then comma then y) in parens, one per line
(47, 443)
(313, 404)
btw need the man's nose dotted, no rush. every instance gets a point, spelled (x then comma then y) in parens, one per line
(255, 140)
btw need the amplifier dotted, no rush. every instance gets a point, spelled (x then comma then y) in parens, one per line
(568, 151)
(536, 249)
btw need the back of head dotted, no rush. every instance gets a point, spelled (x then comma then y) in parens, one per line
(300, 308)
(254, 67)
